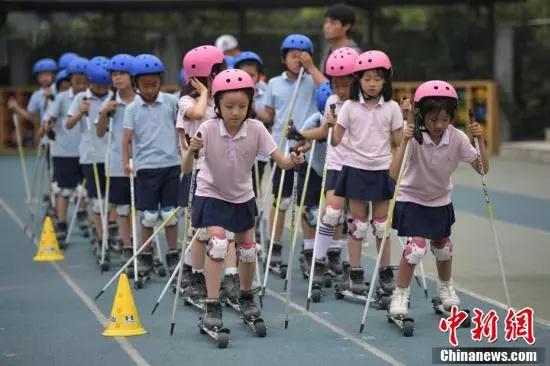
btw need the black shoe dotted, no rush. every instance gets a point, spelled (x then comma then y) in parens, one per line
(212, 316)
(172, 259)
(197, 289)
(231, 287)
(249, 308)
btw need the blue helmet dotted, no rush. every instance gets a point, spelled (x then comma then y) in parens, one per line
(78, 66)
(147, 64)
(181, 77)
(297, 42)
(97, 71)
(44, 65)
(66, 59)
(323, 92)
(248, 56)
(229, 61)
(121, 62)
(62, 75)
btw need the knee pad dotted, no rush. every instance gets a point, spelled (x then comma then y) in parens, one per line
(358, 227)
(96, 206)
(230, 235)
(442, 250)
(332, 216)
(203, 235)
(81, 190)
(378, 226)
(165, 212)
(66, 192)
(247, 252)
(149, 218)
(284, 204)
(310, 216)
(55, 188)
(217, 248)
(123, 210)
(414, 251)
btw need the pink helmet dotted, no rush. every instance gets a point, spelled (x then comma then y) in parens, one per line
(199, 61)
(232, 79)
(341, 62)
(372, 60)
(434, 88)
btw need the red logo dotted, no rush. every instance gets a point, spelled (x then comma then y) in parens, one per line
(520, 325)
(485, 325)
(451, 323)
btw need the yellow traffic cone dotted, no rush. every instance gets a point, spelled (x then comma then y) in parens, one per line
(124, 316)
(48, 249)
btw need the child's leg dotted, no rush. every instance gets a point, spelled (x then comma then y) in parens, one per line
(61, 205)
(379, 217)
(412, 255)
(171, 228)
(216, 253)
(443, 252)
(358, 228)
(247, 258)
(231, 258)
(124, 224)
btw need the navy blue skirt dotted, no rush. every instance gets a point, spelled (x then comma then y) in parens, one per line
(364, 185)
(412, 219)
(235, 217)
(313, 192)
(332, 178)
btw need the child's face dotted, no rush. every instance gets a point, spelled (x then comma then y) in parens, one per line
(63, 85)
(252, 71)
(99, 89)
(233, 107)
(45, 78)
(436, 123)
(371, 83)
(121, 80)
(292, 61)
(79, 82)
(341, 86)
(334, 29)
(149, 86)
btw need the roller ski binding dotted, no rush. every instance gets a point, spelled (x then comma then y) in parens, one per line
(446, 299)
(83, 224)
(61, 231)
(250, 313)
(145, 267)
(211, 323)
(230, 290)
(276, 264)
(353, 284)
(195, 293)
(398, 311)
(320, 278)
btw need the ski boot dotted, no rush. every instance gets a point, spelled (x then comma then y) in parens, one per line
(172, 260)
(276, 264)
(125, 256)
(195, 293)
(186, 277)
(211, 323)
(61, 231)
(145, 267)
(386, 280)
(353, 284)
(158, 266)
(83, 223)
(114, 237)
(250, 313)
(446, 299)
(320, 277)
(305, 262)
(398, 311)
(230, 289)
(334, 262)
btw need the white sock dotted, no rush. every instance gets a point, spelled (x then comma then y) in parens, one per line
(231, 270)
(335, 243)
(308, 243)
(324, 240)
(188, 259)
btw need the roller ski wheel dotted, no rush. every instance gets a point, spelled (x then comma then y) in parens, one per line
(160, 270)
(405, 323)
(104, 266)
(382, 300)
(327, 282)
(279, 269)
(439, 309)
(142, 279)
(220, 336)
(250, 314)
(316, 294)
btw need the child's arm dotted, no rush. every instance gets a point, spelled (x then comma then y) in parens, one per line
(287, 162)
(74, 118)
(307, 62)
(101, 126)
(317, 133)
(22, 113)
(197, 111)
(126, 142)
(266, 115)
(475, 131)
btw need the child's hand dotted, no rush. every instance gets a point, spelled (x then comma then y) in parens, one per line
(84, 107)
(405, 105)
(408, 132)
(297, 159)
(12, 103)
(111, 105)
(331, 120)
(199, 87)
(196, 143)
(475, 130)
(128, 170)
(306, 60)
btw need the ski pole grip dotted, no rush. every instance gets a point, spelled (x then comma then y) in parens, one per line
(85, 99)
(196, 152)
(333, 109)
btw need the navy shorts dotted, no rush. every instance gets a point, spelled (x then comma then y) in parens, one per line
(235, 217)
(119, 190)
(157, 187)
(412, 219)
(67, 172)
(183, 188)
(364, 185)
(313, 192)
(88, 170)
(287, 183)
(332, 178)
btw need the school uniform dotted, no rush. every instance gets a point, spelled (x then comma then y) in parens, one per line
(423, 207)
(156, 151)
(225, 196)
(91, 148)
(365, 171)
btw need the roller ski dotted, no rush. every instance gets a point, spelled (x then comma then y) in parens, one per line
(159, 268)
(195, 293)
(230, 291)
(211, 323)
(276, 264)
(115, 243)
(398, 311)
(250, 313)
(145, 268)
(321, 278)
(353, 284)
(446, 299)
(83, 223)
(61, 232)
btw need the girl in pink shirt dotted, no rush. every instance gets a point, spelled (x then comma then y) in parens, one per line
(423, 209)
(225, 200)
(372, 120)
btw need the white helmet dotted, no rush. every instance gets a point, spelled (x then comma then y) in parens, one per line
(226, 42)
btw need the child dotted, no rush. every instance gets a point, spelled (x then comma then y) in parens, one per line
(201, 65)
(423, 209)
(296, 51)
(372, 119)
(120, 67)
(339, 69)
(65, 149)
(149, 128)
(339, 20)
(84, 110)
(225, 199)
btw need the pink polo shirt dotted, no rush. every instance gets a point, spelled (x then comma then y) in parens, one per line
(369, 130)
(228, 160)
(335, 154)
(191, 126)
(427, 176)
